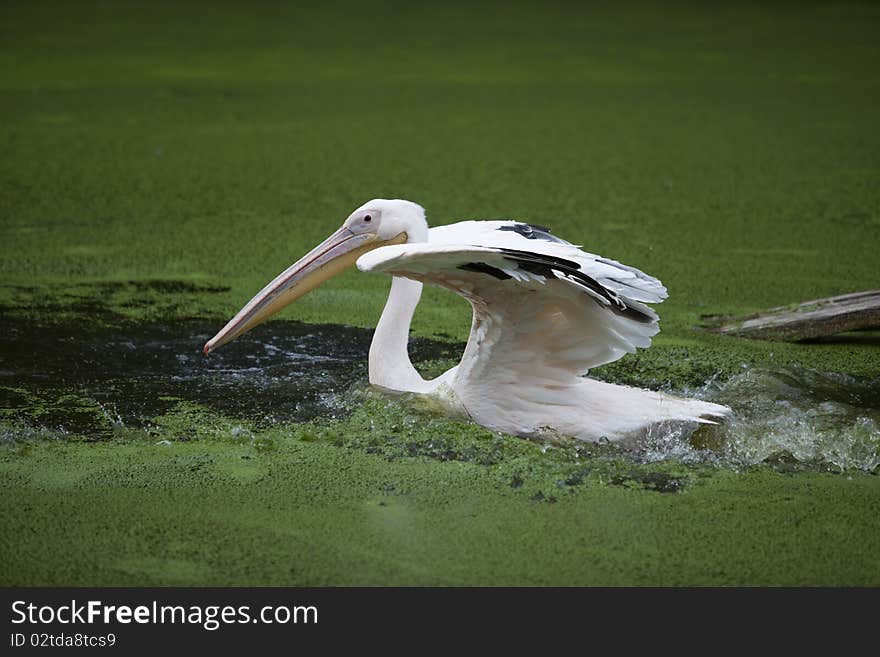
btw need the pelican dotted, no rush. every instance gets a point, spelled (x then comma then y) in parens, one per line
(544, 313)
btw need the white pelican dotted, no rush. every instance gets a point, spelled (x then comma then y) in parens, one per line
(544, 313)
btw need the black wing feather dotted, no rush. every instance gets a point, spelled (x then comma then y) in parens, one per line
(552, 266)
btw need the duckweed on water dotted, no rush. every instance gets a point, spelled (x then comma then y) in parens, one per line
(108, 303)
(316, 513)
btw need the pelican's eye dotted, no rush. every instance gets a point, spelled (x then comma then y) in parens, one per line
(364, 221)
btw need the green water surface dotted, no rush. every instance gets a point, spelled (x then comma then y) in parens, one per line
(161, 162)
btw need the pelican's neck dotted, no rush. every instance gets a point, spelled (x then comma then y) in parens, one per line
(390, 366)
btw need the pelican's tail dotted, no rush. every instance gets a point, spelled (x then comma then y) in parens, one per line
(586, 409)
(620, 412)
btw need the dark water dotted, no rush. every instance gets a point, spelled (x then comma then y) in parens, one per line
(76, 378)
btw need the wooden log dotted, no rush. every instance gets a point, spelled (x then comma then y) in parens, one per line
(811, 319)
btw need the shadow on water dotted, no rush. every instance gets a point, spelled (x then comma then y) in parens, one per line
(82, 380)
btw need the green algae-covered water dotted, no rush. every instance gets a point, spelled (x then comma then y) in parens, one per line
(162, 163)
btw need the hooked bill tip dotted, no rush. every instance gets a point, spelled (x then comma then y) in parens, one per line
(207, 348)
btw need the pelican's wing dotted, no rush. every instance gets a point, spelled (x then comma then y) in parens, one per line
(543, 309)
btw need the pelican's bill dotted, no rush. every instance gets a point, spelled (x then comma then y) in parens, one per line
(331, 257)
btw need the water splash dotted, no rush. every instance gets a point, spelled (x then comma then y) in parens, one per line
(795, 417)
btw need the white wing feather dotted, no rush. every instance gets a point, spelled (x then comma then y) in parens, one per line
(534, 322)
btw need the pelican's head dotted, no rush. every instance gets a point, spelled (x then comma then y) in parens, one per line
(377, 223)
(388, 218)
